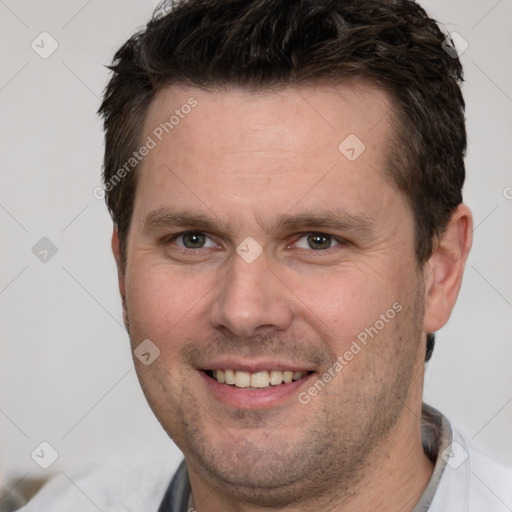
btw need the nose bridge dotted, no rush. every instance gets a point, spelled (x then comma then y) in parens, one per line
(250, 297)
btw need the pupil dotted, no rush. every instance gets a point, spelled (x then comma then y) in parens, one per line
(193, 240)
(318, 241)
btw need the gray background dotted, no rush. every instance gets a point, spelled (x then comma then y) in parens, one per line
(66, 374)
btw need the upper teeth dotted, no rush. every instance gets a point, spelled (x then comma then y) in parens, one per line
(262, 379)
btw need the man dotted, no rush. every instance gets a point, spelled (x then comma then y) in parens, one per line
(285, 184)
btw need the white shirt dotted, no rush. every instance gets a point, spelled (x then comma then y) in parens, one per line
(476, 485)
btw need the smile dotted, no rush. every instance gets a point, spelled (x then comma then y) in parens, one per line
(256, 380)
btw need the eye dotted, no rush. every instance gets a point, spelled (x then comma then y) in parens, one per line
(193, 240)
(316, 241)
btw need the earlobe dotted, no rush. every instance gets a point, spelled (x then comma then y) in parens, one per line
(445, 268)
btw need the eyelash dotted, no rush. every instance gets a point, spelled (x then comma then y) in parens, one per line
(334, 239)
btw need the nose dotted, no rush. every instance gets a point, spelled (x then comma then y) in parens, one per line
(251, 299)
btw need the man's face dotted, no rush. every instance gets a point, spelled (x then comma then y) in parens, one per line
(337, 262)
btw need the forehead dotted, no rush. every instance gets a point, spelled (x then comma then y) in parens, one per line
(327, 112)
(268, 150)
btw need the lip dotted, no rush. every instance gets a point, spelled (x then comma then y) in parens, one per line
(256, 365)
(251, 399)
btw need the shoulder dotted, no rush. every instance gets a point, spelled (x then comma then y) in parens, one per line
(472, 482)
(491, 482)
(117, 485)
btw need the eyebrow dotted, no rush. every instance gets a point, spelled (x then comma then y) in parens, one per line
(337, 220)
(165, 218)
(168, 218)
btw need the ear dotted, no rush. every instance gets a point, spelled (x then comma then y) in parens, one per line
(116, 249)
(443, 271)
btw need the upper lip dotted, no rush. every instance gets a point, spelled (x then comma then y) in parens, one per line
(255, 365)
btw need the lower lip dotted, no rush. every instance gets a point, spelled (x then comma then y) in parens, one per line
(242, 398)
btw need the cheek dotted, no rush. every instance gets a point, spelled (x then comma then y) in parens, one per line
(347, 303)
(163, 306)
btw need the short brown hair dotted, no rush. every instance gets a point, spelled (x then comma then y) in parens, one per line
(258, 44)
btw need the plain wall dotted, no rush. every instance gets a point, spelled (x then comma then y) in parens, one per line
(66, 373)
